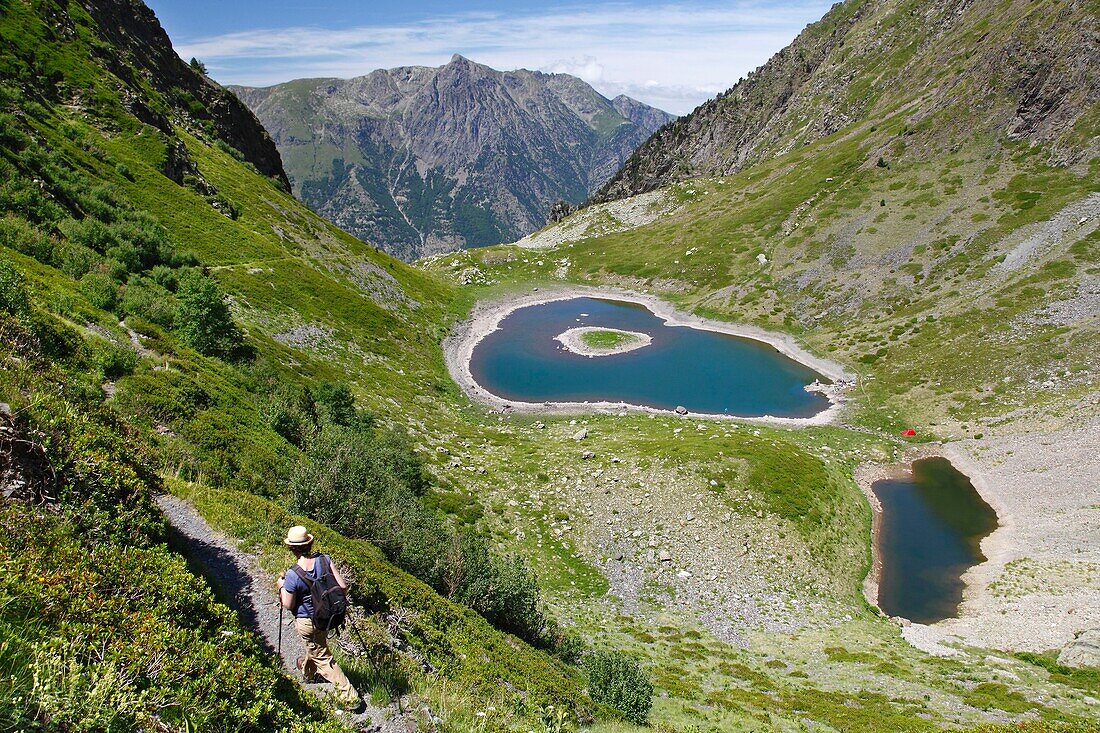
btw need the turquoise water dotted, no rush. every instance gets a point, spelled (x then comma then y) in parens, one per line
(931, 530)
(706, 372)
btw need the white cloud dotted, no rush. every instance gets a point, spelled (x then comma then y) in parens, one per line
(673, 56)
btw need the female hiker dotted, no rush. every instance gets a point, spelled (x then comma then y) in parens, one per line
(314, 591)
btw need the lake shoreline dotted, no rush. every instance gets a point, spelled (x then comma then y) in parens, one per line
(486, 317)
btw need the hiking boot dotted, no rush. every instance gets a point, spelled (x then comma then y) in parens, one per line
(300, 663)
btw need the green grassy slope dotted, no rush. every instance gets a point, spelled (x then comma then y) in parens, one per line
(99, 235)
(950, 70)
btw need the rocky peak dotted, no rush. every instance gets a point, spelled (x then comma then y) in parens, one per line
(447, 157)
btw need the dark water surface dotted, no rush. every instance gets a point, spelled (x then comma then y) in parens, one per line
(706, 372)
(930, 534)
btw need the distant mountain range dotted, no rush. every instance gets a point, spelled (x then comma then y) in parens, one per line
(422, 160)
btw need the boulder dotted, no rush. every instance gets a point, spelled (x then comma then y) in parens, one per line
(681, 410)
(580, 434)
(664, 556)
(1083, 651)
(587, 455)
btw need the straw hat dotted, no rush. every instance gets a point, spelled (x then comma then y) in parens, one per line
(297, 536)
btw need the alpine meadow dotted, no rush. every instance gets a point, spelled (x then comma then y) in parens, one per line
(626, 472)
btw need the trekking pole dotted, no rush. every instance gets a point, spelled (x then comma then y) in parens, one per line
(281, 631)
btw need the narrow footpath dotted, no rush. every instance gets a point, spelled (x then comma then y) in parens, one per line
(240, 583)
(235, 576)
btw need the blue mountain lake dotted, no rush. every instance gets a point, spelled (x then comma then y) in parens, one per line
(930, 533)
(705, 371)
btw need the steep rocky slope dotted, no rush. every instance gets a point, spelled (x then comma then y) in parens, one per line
(423, 160)
(137, 50)
(1024, 68)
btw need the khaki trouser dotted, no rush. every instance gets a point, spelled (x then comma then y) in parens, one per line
(319, 661)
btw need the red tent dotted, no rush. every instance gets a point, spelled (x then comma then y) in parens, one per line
(908, 433)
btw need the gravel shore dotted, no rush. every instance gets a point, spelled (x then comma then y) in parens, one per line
(1040, 583)
(487, 316)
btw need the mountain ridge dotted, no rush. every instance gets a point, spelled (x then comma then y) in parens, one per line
(421, 160)
(868, 60)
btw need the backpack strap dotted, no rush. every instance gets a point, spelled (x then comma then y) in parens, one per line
(297, 569)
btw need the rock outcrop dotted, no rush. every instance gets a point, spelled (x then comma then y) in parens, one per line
(140, 53)
(1083, 651)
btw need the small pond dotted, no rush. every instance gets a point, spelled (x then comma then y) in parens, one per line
(705, 371)
(930, 533)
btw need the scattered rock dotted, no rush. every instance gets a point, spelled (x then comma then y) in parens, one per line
(664, 555)
(1083, 651)
(681, 410)
(587, 455)
(580, 434)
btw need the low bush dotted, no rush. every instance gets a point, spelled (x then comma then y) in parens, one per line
(367, 484)
(617, 681)
(13, 296)
(100, 290)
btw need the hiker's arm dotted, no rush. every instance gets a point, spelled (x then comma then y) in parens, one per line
(286, 597)
(339, 578)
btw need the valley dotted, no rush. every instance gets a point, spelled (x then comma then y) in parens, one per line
(949, 270)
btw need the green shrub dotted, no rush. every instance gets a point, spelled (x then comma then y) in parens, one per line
(75, 260)
(146, 299)
(13, 295)
(203, 321)
(88, 232)
(163, 396)
(334, 403)
(164, 276)
(19, 234)
(100, 290)
(114, 360)
(289, 410)
(617, 681)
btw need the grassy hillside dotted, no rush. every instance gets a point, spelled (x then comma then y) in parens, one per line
(125, 234)
(1016, 67)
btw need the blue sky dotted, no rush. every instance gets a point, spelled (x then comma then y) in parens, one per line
(673, 55)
